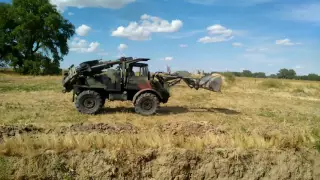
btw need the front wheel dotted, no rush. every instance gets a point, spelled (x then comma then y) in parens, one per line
(89, 102)
(147, 104)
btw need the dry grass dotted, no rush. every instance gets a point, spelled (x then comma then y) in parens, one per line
(253, 114)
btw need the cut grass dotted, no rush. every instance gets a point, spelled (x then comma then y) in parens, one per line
(31, 145)
(252, 117)
(274, 83)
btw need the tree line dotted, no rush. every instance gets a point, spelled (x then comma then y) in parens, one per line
(33, 37)
(282, 74)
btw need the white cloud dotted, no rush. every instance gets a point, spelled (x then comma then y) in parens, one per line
(82, 46)
(122, 47)
(113, 4)
(298, 67)
(148, 24)
(183, 45)
(215, 39)
(237, 44)
(168, 58)
(286, 42)
(70, 13)
(219, 30)
(219, 34)
(83, 30)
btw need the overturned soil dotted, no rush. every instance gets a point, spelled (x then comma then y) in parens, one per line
(187, 128)
(10, 131)
(166, 164)
(162, 163)
(184, 128)
(100, 128)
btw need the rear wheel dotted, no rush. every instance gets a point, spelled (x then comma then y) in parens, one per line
(89, 102)
(147, 104)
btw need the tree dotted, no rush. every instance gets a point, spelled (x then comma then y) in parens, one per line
(274, 76)
(33, 29)
(286, 74)
(247, 73)
(7, 24)
(313, 77)
(238, 74)
(259, 75)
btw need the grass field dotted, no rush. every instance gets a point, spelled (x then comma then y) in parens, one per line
(254, 129)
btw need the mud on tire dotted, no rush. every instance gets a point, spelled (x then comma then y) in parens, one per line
(89, 102)
(147, 104)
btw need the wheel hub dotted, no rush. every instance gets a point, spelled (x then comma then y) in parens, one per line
(147, 104)
(89, 103)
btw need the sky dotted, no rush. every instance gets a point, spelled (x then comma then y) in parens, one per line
(209, 35)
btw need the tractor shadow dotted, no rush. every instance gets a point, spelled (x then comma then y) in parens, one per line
(169, 110)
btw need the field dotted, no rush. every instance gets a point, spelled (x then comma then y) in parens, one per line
(254, 129)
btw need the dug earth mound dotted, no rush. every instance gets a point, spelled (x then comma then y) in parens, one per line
(106, 161)
(164, 164)
(11, 131)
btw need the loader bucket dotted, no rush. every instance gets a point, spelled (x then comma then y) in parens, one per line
(211, 82)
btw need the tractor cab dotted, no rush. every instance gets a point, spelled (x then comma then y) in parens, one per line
(136, 73)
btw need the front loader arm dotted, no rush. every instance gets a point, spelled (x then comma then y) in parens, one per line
(212, 83)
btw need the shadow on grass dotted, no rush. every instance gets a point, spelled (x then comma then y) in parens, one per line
(167, 110)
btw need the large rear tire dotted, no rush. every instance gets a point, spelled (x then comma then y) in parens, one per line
(147, 104)
(89, 102)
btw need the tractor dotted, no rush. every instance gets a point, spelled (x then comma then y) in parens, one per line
(125, 79)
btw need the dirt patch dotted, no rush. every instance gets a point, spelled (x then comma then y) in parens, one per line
(190, 128)
(100, 128)
(10, 131)
(167, 164)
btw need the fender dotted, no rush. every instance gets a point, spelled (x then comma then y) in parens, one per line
(146, 90)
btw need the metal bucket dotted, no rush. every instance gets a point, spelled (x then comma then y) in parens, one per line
(211, 82)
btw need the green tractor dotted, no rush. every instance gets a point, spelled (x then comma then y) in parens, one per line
(125, 79)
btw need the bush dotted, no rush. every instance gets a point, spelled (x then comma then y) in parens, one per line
(229, 77)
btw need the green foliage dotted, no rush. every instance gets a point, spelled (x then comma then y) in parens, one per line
(274, 76)
(310, 77)
(259, 75)
(40, 65)
(34, 36)
(247, 73)
(287, 74)
(282, 74)
(229, 77)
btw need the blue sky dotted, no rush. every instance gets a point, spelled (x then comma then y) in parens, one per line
(210, 35)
